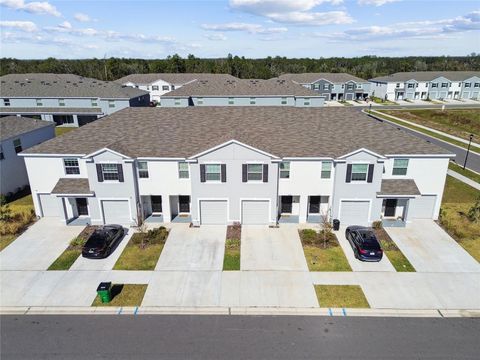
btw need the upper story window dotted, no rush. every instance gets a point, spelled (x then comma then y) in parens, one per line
(460, 84)
(477, 85)
(1, 153)
(143, 170)
(111, 103)
(177, 102)
(467, 85)
(285, 170)
(61, 102)
(200, 101)
(165, 87)
(359, 172)
(254, 172)
(6, 102)
(359, 86)
(306, 101)
(17, 144)
(39, 102)
(426, 85)
(71, 166)
(343, 86)
(434, 85)
(444, 85)
(253, 101)
(173, 87)
(326, 87)
(284, 101)
(94, 102)
(400, 166)
(183, 172)
(213, 172)
(110, 171)
(398, 85)
(231, 101)
(326, 170)
(411, 86)
(148, 87)
(350, 87)
(154, 87)
(315, 86)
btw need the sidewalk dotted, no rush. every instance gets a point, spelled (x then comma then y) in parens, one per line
(464, 179)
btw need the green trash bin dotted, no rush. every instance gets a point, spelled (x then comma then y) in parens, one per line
(104, 291)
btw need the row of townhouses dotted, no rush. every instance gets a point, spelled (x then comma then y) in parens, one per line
(66, 99)
(253, 165)
(17, 134)
(425, 85)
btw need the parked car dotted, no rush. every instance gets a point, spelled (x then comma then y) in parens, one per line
(364, 243)
(102, 241)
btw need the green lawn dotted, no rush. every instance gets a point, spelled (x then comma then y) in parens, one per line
(393, 253)
(124, 295)
(468, 173)
(345, 103)
(458, 198)
(320, 258)
(63, 130)
(73, 251)
(231, 259)
(22, 215)
(381, 114)
(377, 100)
(341, 296)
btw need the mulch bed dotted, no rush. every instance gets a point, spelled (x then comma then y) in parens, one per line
(234, 231)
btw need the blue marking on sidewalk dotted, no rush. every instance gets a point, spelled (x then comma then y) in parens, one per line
(330, 312)
(119, 311)
(344, 312)
(135, 311)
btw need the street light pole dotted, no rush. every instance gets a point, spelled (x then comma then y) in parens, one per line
(468, 150)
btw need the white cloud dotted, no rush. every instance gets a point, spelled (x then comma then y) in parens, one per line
(82, 17)
(293, 12)
(216, 37)
(247, 27)
(376, 2)
(35, 7)
(27, 26)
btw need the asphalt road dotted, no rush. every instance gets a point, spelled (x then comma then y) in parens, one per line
(473, 161)
(236, 337)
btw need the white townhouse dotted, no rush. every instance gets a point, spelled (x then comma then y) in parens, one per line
(425, 85)
(253, 165)
(242, 92)
(65, 99)
(158, 84)
(332, 86)
(16, 135)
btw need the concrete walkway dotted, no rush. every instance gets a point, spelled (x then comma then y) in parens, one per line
(464, 179)
(357, 265)
(39, 246)
(430, 249)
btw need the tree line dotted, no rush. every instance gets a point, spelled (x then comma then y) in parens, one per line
(364, 67)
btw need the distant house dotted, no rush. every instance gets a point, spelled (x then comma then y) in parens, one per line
(424, 85)
(158, 84)
(66, 99)
(17, 134)
(242, 92)
(332, 86)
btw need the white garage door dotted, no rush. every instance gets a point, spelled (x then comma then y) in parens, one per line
(213, 212)
(255, 212)
(116, 212)
(49, 204)
(423, 207)
(354, 212)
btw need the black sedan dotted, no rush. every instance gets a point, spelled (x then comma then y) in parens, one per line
(364, 243)
(102, 242)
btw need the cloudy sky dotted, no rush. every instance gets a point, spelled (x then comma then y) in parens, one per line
(252, 28)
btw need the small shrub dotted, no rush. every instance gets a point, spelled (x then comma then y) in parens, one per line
(151, 237)
(77, 242)
(6, 213)
(377, 225)
(232, 243)
(474, 212)
(308, 236)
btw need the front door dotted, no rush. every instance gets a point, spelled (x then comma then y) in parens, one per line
(314, 206)
(390, 207)
(156, 204)
(82, 207)
(184, 204)
(287, 204)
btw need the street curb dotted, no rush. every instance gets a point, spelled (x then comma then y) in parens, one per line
(237, 311)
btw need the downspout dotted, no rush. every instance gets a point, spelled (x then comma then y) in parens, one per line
(278, 193)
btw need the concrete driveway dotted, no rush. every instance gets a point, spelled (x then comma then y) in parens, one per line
(357, 265)
(189, 249)
(263, 248)
(39, 246)
(430, 249)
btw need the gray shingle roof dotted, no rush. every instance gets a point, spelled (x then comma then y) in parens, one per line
(72, 186)
(11, 126)
(63, 86)
(427, 76)
(308, 78)
(281, 131)
(398, 187)
(49, 110)
(172, 78)
(241, 87)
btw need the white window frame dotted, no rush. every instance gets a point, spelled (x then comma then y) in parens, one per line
(165, 87)
(359, 180)
(306, 101)
(326, 169)
(283, 101)
(61, 102)
(326, 86)
(285, 172)
(110, 168)
(177, 101)
(154, 88)
(143, 172)
(218, 171)
(6, 101)
(17, 143)
(200, 101)
(111, 103)
(403, 169)
(94, 102)
(183, 171)
(249, 172)
(231, 101)
(253, 101)
(72, 166)
(38, 102)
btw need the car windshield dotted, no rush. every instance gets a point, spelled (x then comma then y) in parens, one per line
(98, 238)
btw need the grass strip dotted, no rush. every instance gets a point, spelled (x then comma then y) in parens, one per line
(467, 173)
(231, 259)
(124, 295)
(341, 296)
(394, 254)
